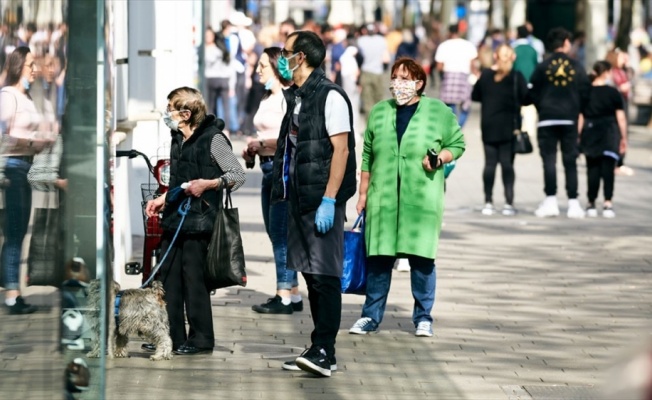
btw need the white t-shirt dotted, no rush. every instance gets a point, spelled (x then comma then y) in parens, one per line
(456, 55)
(336, 114)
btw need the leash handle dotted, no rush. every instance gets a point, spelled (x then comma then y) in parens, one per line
(183, 209)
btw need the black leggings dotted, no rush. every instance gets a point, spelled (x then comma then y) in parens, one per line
(495, 153)
(598, 168)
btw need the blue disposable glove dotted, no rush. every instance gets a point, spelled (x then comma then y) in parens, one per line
(325, 215)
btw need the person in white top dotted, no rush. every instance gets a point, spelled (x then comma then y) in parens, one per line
(23, 136)
(220, 73)
(455, 58)
(267, 122)
(373, 47)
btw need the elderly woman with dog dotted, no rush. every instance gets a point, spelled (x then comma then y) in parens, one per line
(201, 156)
(407, 141)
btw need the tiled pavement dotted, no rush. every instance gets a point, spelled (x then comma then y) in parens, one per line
(526, 308)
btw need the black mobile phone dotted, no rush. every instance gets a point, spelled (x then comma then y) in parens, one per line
(432, 157)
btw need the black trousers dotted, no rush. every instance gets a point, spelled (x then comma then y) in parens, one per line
(600, 168)
(549, 138)
(495, 153)
(182, 275)
(325, 296)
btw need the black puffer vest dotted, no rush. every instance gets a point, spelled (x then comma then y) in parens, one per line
(191, 160)
(314, 149)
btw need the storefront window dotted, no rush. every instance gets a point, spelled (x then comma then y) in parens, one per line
(56, 118)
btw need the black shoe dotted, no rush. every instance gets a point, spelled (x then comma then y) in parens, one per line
(184, 350)
(148, 347)
(21, 307)
(292, 365)
(315, 361)
(298, 306)
(274, 306)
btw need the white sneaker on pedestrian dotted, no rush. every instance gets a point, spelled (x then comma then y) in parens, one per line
(591, 212)
(488, 209)
(424, 329)
(575, 210)
(608, 212)
(548, 208)
(508, 210)
(402, 265)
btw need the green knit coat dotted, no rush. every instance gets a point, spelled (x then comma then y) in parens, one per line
(406, 220)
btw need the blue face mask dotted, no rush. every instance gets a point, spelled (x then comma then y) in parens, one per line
(283, 65)
(270, 82)
(172, 124)
(25, 82)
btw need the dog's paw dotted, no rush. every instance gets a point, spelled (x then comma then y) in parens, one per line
(121, 354)
(161, 357)
(93, 354)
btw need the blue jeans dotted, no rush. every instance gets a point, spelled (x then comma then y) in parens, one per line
(276, 225)
(462, 116)
(18, 206)
(379, 278)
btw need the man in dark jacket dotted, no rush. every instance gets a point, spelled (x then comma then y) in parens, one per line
(314, 170)
(559, 90)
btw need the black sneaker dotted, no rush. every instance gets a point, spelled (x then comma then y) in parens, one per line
(298, 306)
(315, 361)
(274, 306)
(21, 307)
(292, 365)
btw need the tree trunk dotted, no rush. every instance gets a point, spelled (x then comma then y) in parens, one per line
(490, 14)
(434, 15)
(404, 14)
(507, 13)
(625, 24)
(580, 13)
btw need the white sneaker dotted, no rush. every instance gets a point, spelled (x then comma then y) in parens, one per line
(402, 265)
(424, 329)
(548, 208)
(575, 210)
(608, 212)
(488, 209)
(509, 210)
(591, 212)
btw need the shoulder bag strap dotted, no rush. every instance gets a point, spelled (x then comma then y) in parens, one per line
(517, 109)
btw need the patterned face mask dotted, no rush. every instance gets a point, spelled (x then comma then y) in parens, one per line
(403, 90)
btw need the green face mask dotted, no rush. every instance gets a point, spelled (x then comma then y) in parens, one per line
(283, 65)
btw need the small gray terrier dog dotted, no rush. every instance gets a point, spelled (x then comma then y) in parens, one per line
(142, 312)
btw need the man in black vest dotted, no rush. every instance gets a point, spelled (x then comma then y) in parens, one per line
(314, 170)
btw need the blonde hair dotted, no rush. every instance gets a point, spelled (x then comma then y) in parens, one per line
(187, 98)
(504, 56)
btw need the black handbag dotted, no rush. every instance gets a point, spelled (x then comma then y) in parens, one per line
(225, 262)
(44, 266)
(521, 143)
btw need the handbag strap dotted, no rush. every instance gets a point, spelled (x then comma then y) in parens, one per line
(359, 222)
(228, 203)
(517, 109)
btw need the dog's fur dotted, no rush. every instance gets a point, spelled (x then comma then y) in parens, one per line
(142, 312)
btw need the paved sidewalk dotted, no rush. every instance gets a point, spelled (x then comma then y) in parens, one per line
(526, 308)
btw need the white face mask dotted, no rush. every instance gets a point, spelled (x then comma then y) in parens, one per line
(172, 124)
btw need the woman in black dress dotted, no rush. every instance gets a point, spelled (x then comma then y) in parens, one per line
(603, 137)
(501, 91)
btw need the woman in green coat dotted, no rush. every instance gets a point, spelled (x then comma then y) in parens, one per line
(402, 192)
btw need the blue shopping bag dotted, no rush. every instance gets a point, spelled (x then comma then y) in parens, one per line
(354, 274)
